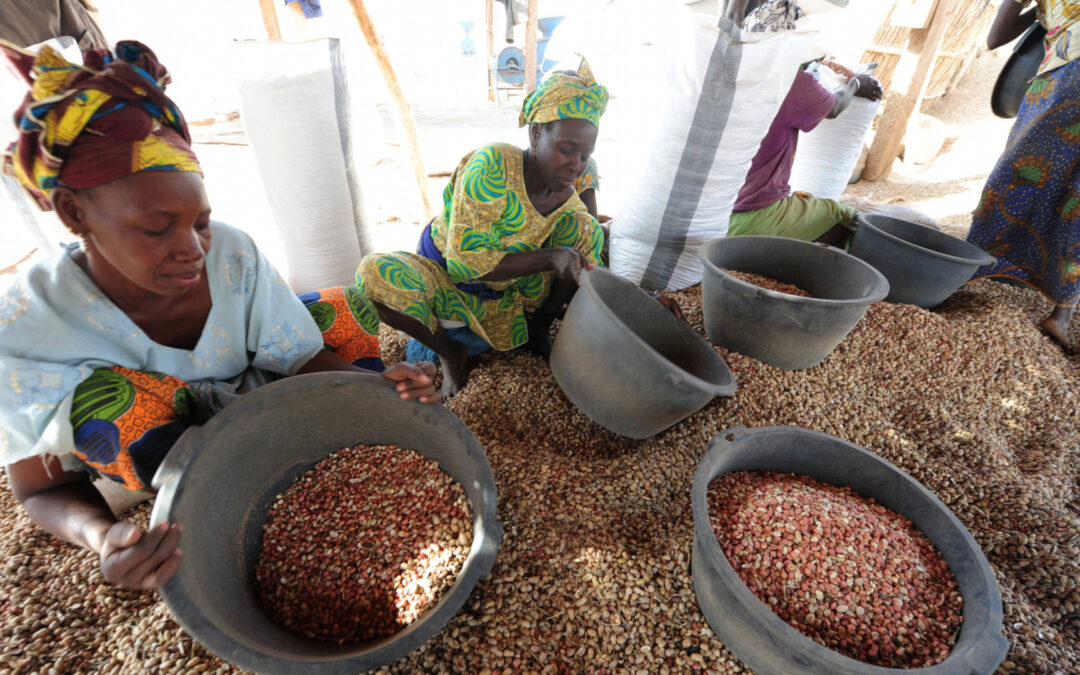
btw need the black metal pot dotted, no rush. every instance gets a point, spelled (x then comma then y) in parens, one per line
(1016, 76)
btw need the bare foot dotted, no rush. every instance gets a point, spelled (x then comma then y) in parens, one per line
(1056, 332)
(453, 370)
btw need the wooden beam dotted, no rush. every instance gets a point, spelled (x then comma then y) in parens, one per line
(489, 21)
(270, 20)
(530, 48)
(412, 141)
(903, 101)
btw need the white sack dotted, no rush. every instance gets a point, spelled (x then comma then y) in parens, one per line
(300, 122)
(719, 92)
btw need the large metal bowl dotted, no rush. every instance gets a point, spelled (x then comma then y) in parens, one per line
(219, 481)
(629, 364)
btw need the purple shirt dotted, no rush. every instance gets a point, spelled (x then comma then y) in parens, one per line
(806, 104)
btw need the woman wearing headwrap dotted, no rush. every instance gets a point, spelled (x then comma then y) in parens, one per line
(507, 251)
(109, 351)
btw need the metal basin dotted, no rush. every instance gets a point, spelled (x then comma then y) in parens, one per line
(629, 364)
(784, 330)
(764, 641)
(219, 480)
(923, 265)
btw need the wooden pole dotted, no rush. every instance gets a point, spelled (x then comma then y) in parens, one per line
(903, 101)
(412, 141)
(530, 48)
(489, 21)
(270, 20)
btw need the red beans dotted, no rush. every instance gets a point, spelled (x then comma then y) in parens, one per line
(363, 544)
(838, 567)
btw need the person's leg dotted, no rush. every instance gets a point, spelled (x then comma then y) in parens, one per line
(539, 324)
(408, 291)
(125, 421)
(805, 218)
(1056, 325)
(349, 323)
(452, 354)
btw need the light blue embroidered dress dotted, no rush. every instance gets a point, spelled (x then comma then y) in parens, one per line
(56, 327)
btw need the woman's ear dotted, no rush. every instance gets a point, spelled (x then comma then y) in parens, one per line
(68, 206)
(534, 135)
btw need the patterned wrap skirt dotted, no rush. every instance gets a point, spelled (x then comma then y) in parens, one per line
(1029, 214)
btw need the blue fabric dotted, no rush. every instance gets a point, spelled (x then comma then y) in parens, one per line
(415, 351)
(1029, 214)
(312, 8)
(429, 250)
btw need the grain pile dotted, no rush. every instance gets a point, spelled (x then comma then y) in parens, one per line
(362, 544)
(840, 568)
(593, 572)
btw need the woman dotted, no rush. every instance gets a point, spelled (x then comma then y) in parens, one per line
(1029, 214)
(508, 249)
(110, 350)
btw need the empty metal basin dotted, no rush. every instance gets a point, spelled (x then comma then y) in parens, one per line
(923, 266)
(784, 330)
(628, 363)
(219, 480)
(764, 641)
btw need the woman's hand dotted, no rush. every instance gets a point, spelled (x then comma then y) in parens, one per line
(670, 303)
(414, 380)
(568, 263)
(137, 559)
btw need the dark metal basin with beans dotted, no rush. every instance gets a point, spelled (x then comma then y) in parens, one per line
(363, 544)
(838, 567)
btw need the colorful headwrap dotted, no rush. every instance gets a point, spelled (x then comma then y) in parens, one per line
(562, 96)
(83, 126)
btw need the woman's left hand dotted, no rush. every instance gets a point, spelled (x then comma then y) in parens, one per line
(414, 380)
(670, 303)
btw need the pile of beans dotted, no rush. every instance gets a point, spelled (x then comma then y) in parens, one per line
(362, 544)
(593, 574)
(838, 567)
(767, 283)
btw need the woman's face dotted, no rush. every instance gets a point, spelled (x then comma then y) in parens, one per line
(562, 150)
(148, 232)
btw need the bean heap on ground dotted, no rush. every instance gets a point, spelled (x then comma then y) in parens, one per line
(363, 544)
(840, 568)
(593, 574)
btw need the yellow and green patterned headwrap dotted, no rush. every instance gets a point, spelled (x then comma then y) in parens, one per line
(562, 96)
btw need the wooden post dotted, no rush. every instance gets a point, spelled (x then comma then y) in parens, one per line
(489, 20)
(903, 100)
(269, 15)
(530, 48)
(412, 141)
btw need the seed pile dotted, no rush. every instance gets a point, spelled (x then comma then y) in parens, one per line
(767, 283)
(594, 569)
(838, 567)
(363, 544)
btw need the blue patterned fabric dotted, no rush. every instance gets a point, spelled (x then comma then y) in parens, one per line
(1029, 213)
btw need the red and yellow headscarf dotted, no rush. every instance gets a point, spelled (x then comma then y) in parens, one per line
(83, 126)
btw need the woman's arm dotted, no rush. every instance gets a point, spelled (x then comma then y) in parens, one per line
(566, 263)
(1009, 23)
(413, 380)
(67, 505)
